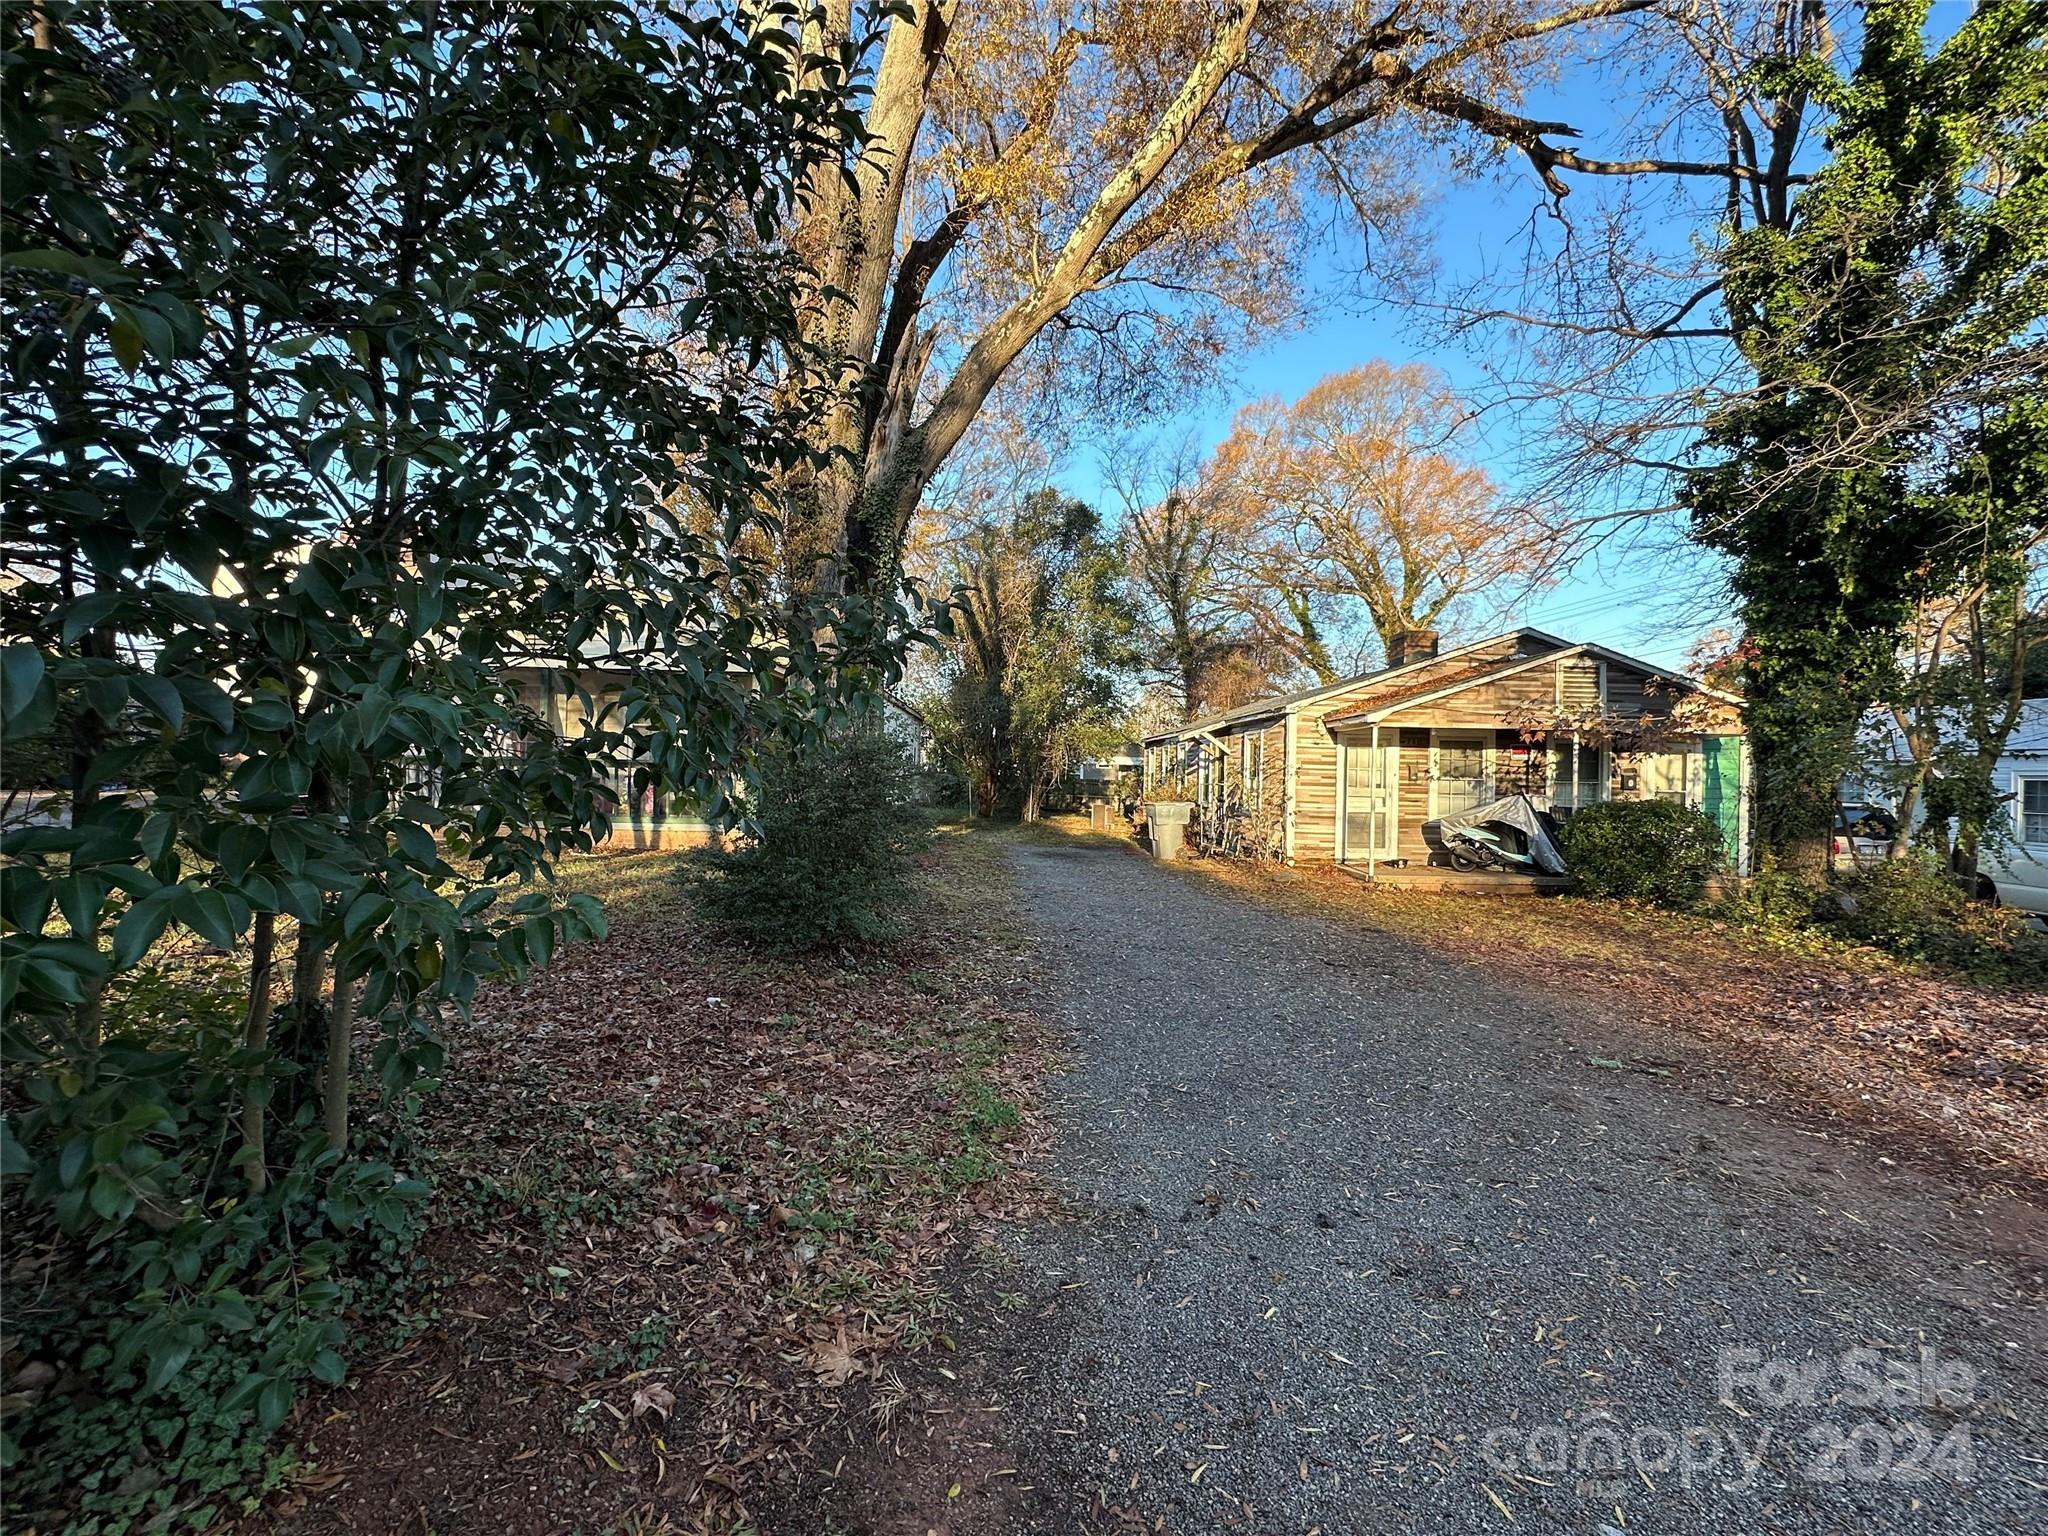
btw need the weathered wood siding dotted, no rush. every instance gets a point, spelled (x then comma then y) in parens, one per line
(1412, 800)
(1631, 691)
(1315, 751)
(1571, 683)
(1315, 789)
(1519, 767)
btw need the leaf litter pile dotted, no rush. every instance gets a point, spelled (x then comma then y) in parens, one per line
(686, 1199)
(1853, 1034)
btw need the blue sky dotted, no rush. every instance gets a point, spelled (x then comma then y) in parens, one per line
(1620, 598)
(1625, 598)
(1643, 602)
(1648, 601)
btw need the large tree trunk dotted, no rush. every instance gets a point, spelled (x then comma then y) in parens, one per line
(850, 232)
(896, 456)
(873, 279)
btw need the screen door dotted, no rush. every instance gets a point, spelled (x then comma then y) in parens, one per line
(1369, 801)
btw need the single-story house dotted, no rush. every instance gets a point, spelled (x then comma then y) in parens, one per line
(2017, 869)
(1349, 771)
(906, 722)
(644, 819)
(2012, 866)
(1096, 776)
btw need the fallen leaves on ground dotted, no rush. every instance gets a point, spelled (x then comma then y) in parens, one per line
(686, 1196)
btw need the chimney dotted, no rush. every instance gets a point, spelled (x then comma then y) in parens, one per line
(1411, 645)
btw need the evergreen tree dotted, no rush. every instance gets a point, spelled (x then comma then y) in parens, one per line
(1896, 312)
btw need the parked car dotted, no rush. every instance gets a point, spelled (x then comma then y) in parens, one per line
(1863, 835)
(2015, 872)
(2014, 875)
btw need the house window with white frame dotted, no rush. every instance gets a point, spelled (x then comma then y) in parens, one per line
(1252, 769)
(2031, 797)
(1578, 773)
(1672, 773)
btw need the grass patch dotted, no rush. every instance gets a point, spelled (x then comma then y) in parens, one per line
(1065, 832)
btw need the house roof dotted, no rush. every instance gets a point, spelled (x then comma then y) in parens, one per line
(903, 706)
(1380, 705)
(1429, 687)
(1281, 703)
(1384, 700)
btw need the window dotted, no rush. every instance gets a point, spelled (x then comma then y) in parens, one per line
(1578, 774)
(1252, 770)
(1670, 775)
(2033, 804)
(1462, 774)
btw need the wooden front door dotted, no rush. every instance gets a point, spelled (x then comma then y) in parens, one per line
(1367, 810)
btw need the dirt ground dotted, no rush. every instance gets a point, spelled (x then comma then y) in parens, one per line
(686, 1197)
(1330, 1184)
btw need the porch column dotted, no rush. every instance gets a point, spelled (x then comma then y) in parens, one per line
(1372, 841)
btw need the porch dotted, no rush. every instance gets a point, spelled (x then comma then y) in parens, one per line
(1392, 781)
(1438, 877)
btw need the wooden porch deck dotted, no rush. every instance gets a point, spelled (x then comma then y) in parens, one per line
(1437, 877)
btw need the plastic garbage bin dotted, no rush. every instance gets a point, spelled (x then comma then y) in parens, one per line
(1167, 821)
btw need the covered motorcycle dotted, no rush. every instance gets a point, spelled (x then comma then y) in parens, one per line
(1514, 835)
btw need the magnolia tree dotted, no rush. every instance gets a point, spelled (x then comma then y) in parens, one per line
(354, 356)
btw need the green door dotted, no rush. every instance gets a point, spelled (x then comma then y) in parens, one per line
(1721, 789)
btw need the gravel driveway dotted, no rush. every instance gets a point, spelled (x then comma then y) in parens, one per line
(1367, 1240)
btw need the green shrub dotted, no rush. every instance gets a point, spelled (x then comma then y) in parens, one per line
(1911, 909)
(163, 1377)
(1775, 901)
(825, 857)
(175, 1312)
(1643, 850)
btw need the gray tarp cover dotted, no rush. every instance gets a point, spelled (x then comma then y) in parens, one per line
(1520, 812)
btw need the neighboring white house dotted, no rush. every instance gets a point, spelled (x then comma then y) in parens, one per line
(907, 724)
(1096, 775)
(644, 819)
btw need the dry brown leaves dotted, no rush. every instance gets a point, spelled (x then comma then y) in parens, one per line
(688, 1196)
